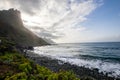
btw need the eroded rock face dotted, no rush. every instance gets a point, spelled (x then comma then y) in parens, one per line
(12, 27)
(11, 16)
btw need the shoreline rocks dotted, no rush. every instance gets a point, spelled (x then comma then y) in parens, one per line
(57, 65)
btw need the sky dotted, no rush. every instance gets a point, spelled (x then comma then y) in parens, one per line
(70, 21)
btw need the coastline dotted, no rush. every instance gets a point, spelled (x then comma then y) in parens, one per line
(57, 65)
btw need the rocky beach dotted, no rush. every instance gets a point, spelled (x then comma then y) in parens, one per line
(57, 65)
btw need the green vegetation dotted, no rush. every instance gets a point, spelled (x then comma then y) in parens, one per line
(6, 46)
(25, 69)
(14, 66)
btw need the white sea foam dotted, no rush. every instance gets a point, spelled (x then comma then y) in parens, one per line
(106, 67)
(68, 54)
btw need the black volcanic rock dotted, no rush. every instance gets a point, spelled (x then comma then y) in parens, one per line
(12, 28)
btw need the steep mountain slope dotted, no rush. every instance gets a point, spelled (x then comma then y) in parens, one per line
(11, 27)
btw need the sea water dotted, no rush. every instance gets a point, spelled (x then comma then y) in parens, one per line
(103, 56)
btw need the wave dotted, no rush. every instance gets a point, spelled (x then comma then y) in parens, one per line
(113, 69)
(106, 57)
(89, 57)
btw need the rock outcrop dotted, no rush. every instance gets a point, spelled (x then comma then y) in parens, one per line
(12, 28)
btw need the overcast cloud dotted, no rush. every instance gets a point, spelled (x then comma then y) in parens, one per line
(59, 20)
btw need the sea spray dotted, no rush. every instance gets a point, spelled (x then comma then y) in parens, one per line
(103, 56)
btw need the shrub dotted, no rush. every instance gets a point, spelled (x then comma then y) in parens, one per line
(21, 76)
(53, 76)
(7, 58)
(26, 67)
(6, 46)
(43, 70)
(66, 75)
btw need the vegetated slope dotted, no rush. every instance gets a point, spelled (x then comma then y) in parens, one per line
(15, 66)
(11, 27)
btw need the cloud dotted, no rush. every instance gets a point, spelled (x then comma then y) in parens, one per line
(55, 19)
(26, 6)
(41, 32)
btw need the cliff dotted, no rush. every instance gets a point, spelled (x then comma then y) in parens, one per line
(12, 28)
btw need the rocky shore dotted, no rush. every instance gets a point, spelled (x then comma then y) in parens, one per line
(57, 65)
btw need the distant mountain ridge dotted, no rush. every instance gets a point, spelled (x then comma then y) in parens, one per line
(12, 28)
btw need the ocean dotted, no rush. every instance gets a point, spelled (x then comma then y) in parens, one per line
(104, 56)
